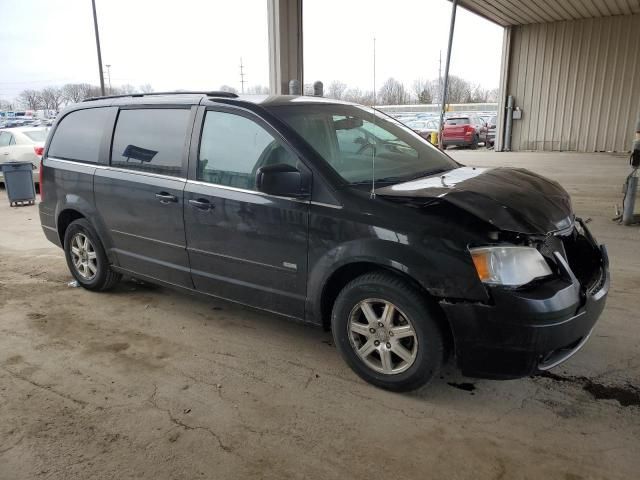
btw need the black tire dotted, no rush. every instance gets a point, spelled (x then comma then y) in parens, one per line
(421, 314)
(104, 278)
(474, 144)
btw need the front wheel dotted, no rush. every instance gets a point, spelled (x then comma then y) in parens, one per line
(386, 330)
(86, 257)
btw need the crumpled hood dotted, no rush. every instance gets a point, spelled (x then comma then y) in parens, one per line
(512, 199)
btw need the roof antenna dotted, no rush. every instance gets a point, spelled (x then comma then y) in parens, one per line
(375, 147)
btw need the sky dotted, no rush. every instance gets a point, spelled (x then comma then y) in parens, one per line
(198, 44)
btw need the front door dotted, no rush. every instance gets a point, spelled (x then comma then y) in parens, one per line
(244, 245)
(140, 195)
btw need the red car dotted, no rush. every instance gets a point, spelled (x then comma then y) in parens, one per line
(464, 130)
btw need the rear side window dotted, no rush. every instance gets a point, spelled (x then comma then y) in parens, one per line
(37, 135)
(151, 140)
(5, 138)
(79, 134)
(457, 121)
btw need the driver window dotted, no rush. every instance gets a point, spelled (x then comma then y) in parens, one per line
(233, 148)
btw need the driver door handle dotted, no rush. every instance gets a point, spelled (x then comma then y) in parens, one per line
(201, 204)
(165, 197)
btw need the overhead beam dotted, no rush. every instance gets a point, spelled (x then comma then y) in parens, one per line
(285, 44)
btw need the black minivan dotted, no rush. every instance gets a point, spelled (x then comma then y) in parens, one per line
(330, 213)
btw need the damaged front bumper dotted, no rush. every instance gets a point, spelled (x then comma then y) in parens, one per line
(523, 332)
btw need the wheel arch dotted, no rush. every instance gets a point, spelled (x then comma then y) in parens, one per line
(345, 273)
(65, 218)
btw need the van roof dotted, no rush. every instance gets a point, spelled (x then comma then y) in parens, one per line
(190, 97)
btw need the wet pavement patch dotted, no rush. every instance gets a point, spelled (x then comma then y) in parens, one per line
(467, 387)
(626, 395)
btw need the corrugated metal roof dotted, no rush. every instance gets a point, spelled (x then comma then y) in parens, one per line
(523, 12)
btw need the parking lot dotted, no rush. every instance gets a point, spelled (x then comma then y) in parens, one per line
(145, 381)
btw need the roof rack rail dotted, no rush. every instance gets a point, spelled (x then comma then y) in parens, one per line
(211, 93)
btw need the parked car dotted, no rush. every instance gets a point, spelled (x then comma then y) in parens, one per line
(325, 212)
(424, 128)
(464, 130)
(22, 144)
(491, 130)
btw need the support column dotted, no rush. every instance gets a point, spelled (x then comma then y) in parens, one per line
(505, 65)
(285, 44)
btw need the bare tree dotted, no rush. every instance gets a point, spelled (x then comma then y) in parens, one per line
(392, 92)
(30, 99)
(423, 90)
(51, 98)
(227, 88)
(258, 90)
(5, 105)
(336, 90)
(356, 95)
(493, 95)
(146, 88)
(76, 92)
(459, 90)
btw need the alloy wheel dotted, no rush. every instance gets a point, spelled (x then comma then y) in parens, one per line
(382, 336)
(83, 256)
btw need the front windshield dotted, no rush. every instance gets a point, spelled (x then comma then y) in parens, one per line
(354, 143)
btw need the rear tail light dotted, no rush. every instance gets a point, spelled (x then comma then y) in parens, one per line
(468, 130)
(39, 151)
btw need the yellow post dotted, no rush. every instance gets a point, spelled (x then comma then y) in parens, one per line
(434, 138)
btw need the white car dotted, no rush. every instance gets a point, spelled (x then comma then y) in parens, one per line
(22, 144)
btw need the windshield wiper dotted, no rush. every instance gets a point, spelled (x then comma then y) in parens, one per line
(426, 173)
(401, 179)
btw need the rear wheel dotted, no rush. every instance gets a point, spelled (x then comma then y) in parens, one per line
(386, 330)
(474, 144)
(86, 257)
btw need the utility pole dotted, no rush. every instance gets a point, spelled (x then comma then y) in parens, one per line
(454, 7)
(242, 75)
(440, 74)
(95, 27)
(109, 77)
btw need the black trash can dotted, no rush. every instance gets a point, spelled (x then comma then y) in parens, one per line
(18, 180)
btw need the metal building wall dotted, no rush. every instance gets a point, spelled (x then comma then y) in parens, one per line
(577, 82)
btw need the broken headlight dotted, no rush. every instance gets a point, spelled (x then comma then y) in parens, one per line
(509, 265)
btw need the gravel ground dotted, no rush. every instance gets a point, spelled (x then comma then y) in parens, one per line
(145, 382)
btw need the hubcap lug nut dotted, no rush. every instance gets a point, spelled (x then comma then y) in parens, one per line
(380, 324)
(391, 334)
(376, 343)
(372, 330)
(388, 345)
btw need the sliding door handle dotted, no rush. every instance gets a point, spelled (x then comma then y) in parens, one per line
(202, 204)
(165, 197)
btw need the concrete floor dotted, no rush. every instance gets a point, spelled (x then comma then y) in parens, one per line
(145, 382)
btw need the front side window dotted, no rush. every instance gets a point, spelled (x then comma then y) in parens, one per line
(5, 138)
(233, 148)
(355, 143)
(151, 140)
(79, 135)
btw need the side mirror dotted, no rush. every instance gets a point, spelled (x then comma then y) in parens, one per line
(282, 180)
